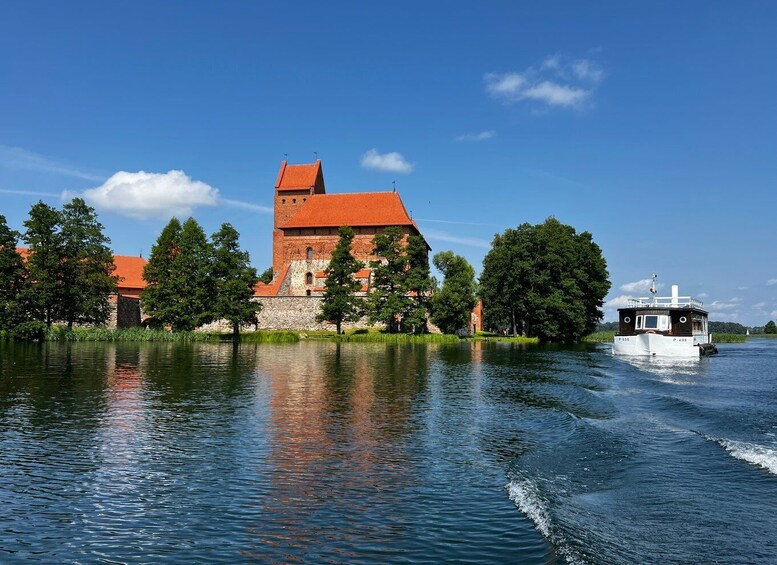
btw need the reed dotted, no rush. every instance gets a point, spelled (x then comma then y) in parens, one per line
(380, 337)
(729, 338)
(279, 336)
(600, 337)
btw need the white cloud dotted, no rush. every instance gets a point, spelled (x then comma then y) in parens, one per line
(736, 299)
(759, 306)
(771, 282)
(587, 71)
(28, 192)
(387, 162)
(555, 83)
(729, 316)
(246, 205)
(743, 288)
(774, 314)
(18, 158)
(482, 136)
(147, 195)
(702, 295)
(639, 286)
(618, 302)
(448, 238)
(718, 305)
(551, 62)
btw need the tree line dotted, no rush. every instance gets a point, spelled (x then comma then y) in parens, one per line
(67, 275)
(403, 295)
(542, 280)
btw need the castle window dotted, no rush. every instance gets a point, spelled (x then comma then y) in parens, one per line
(293, 200)
(309, 253)
(307, 292)
(308, 278)
(283, 201)
(304, 199)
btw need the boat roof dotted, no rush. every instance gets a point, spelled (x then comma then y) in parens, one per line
(665, 303)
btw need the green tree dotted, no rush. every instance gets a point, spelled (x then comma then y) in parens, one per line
(42, 293)
(547, 280)
(340, 303)
(180, 289)
(419, 285)
(770, 327)
(12, 277)
(234, 279)
(389, 302)
(453, 303)
(266, 276)
(87, 266)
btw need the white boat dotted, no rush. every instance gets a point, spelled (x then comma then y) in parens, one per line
(667, 326)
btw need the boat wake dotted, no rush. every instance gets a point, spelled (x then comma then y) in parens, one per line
(752, 453)
(526, 496)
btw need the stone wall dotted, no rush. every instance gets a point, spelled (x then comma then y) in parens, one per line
(125, 312)
(286, 313)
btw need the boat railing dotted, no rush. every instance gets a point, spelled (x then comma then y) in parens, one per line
(666, 302)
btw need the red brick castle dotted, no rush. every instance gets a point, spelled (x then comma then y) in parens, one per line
(306, 223)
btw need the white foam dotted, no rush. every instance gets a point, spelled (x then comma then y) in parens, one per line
(526, 497)
(754, 454)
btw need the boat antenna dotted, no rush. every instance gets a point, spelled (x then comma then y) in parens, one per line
(653, 290)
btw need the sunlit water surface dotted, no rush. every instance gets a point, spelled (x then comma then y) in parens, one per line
(320, 452)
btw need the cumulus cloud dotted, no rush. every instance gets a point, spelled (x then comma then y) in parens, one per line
(148, 195)
(386, 162)
(482, 136)
(618, 302)
(639, 286)
(555, 83)
(771, 282)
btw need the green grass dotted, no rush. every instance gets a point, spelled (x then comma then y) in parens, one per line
(600, 337)
(729, 338)
(381, 337)
(279, 336)
(129, 334)
(768, 336)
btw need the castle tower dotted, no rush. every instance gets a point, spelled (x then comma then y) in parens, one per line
(295, 185)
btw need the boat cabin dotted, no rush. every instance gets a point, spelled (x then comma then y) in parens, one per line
(672, 316)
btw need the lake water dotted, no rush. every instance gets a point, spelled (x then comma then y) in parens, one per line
(320, 452)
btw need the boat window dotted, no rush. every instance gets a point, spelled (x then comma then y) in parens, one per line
(651, 323)
(639, 322)
(626, 319)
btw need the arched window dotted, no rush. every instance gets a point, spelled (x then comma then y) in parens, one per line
(309, 278)
(309, 253)
(307, 292)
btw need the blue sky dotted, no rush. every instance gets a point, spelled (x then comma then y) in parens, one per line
(651, 125)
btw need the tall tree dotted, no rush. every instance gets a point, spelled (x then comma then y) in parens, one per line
(180, 289)
(42, 294)
(12, 277)
(233, 278)
(770, 327)
(546, 279)
(419, 285)
(87, 266)
(340, 303)
(388, 302)
(453, 303)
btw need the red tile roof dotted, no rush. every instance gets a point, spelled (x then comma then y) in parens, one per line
(351, 209)
(298, 177)
(129, 269)
(263, 289)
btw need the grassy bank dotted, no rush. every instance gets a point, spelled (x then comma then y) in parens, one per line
(609, 336)
(600, 337)
(729, 338)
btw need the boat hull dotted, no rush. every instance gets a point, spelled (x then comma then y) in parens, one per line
(651, 344)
